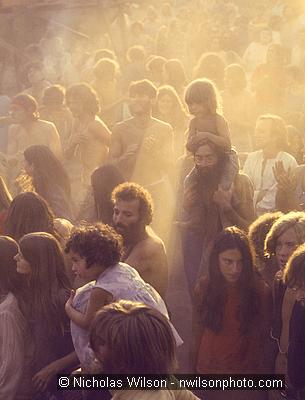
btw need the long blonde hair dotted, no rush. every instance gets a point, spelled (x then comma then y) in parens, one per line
(295, 220)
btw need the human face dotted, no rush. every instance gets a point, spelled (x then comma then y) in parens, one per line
(205, 159)
(165, 105)
(18, 114)
(231, 265)
(23, 267)
(126, 216)
(262, 133)
(79, 265)
(140, 104)
(197, 109)
(76, 106)
(286, 243)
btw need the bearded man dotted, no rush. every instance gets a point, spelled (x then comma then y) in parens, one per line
(215, 208)
(143, 249)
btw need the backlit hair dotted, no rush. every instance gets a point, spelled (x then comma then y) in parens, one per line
(294, 272)
(87, 95)
(130, 191)
(295, 220)
(177, 114)
(105, 69)
(259, 229)
(48, 171)
(236, 73)
(27, 103)
(29, 213)
(278, 130)
(5, 196)
(143, 87)
(97, 243)
(139, 339)
(203, 91)
(47, 279)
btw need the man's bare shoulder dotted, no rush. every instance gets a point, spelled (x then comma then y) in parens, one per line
(121, 126)
(152, 245)
(46, 126)
(98, 123)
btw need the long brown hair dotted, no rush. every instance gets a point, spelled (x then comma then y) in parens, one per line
(48, 171)
(47, 281)
(10, 280)
(216, 293)
(178, 113)
(28, 213)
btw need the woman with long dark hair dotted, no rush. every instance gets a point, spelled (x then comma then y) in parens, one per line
(13, 324)
(169, 108)
(233, 313)
(49, 179)
(97, 206)
(29, 213)
(40, 262)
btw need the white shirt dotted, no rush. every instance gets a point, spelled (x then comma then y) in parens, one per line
(124, 283)
(265, 180)
(254, 55)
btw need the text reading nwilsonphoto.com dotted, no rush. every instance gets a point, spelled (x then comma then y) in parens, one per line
(177, 382)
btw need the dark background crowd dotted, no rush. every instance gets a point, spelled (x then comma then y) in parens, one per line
(152, 193)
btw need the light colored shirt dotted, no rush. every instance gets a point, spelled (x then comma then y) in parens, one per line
(124, 283)
(264, 180)
(12, 328)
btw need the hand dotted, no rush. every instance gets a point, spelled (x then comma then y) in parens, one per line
(223, 198)
(69, 303)
(261, 195)
(283, 177)
(131, 149)
(202, 135)
(42, 379)
(149, 143)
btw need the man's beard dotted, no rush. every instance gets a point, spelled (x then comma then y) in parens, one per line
(209, 176)
(130, 233)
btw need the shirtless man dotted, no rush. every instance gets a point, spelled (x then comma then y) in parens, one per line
(143, 249)
(142, 149)
(90, 137)
(27, 129)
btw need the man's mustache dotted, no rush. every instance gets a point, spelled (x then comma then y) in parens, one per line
(120, 226)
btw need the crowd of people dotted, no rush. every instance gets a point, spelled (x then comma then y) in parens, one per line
(168, 142)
